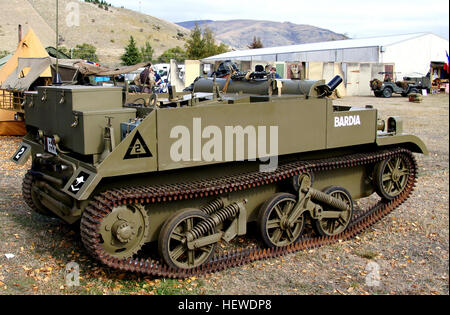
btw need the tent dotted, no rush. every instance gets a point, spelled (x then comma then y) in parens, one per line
(4, 60)
(29, 47)
(69, 69)
(35, 66)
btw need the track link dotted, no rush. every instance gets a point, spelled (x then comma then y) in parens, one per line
(26, 191)
(27, 196)
(104, 203)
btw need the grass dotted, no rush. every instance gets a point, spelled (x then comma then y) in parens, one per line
(367, 254)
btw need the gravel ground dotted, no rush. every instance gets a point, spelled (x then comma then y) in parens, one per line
(409, 250)
(410, 247)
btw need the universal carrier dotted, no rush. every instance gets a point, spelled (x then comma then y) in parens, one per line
(163, 174)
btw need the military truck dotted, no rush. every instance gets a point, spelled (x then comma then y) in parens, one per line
(194, 170)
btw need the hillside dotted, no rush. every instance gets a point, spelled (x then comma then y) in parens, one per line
(14, 12)
(109, 31)
(239, 33)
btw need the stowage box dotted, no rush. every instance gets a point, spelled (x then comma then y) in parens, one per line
(77, 114)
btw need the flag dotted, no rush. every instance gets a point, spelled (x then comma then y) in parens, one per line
(446, 68)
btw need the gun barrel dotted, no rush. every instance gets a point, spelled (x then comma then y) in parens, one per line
(259, 87)
(337, 80)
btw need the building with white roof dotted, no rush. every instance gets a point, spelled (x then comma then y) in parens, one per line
(358, 60)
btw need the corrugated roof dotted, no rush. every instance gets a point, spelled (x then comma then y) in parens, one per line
(330, 45)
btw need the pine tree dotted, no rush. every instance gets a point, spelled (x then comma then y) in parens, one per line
(257, 43)
(195, 45)
(222, 48)
(147, 52)
(210, 48)
(132, 55)
(202, 45)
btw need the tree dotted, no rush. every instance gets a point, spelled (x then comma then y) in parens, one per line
(195, 46)
(147, 52)
(3, 53)
(203, 44)
(132, 55)
(86, 52)
(176, 53)
(222, 48)
(64, 50)
(257, 43)
(209, 42)
(99, 2)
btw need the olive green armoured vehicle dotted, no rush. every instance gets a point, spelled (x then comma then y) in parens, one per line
(193, 170)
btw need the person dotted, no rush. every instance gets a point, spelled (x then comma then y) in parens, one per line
(155, 81)
(273, 70)
(144, 79)
(157, 77)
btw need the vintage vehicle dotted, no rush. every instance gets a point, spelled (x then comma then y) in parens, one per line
(387, 88)
(193, 170)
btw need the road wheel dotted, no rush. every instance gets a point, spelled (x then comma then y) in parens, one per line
(172, 243)
(331, 227)
(387, 92)
(273, 216)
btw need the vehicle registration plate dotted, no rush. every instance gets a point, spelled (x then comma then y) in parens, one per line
(50, 145)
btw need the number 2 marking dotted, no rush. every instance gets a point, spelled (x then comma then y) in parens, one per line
(19, 155)
(137, 148)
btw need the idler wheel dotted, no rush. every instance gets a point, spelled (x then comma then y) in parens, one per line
(335, 226)
(297, 181)
(124, 231)
(273, 221)
(391, 177)
(172, 243)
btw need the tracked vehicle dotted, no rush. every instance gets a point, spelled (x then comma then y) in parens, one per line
(194, 170)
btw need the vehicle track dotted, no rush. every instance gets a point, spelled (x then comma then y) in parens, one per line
(105, 202)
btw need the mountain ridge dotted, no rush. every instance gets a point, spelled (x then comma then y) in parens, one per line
(239, 33)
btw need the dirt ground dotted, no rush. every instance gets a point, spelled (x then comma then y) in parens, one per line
(409, 250)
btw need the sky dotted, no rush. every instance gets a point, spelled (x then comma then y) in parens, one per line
(355, 18)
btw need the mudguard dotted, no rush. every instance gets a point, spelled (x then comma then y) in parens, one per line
(410, 142)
